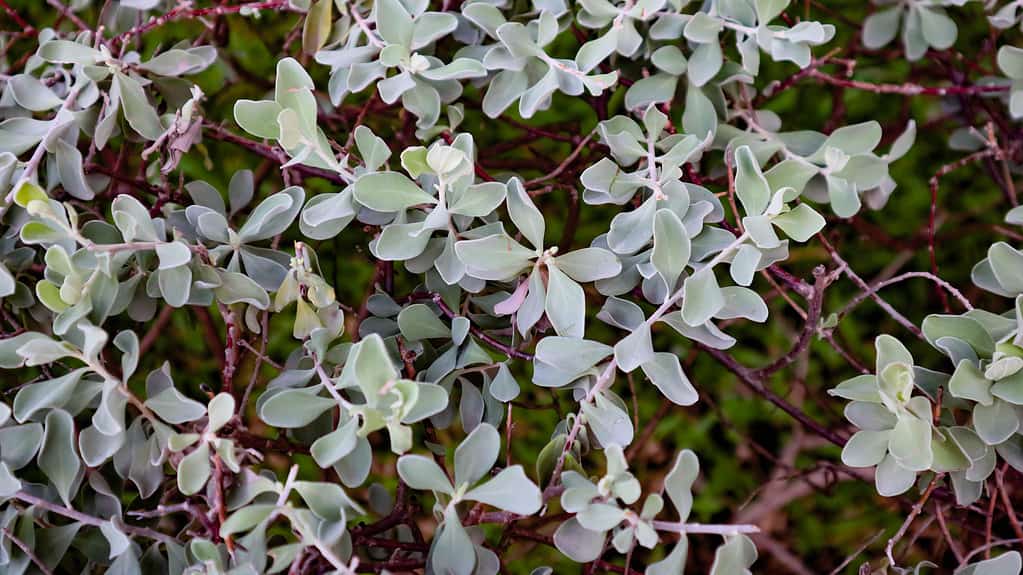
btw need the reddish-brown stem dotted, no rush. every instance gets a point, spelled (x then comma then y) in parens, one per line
(218, 132)
(184, 12)
(933, 215)
(475, 330)
(906, 89)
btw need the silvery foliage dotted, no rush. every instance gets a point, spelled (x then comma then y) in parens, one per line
(901, 429)
(923, 24)
(1004, 15)
(1010, 63)
(481, 249)
(510, 490)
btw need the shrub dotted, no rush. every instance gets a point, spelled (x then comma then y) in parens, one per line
(324, 286)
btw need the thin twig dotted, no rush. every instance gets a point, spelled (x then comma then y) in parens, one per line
(704, 528)
(900, 278)
(848, 271)
(907, 89)
(917, 508)
(987, 547)
(156, 330)
(932, 216)
(811, 326)
(857, 553)
(185, 12)
(939, 512)
(1006, 502)
(89, 519)
(564, 164)
(27, 551)
(747, 377)
(67, 13)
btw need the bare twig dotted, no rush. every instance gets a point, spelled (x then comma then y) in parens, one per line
(89, 519)
(917, 508)
(906, 89)
(27, 551)
(848, 271)
(939, 513)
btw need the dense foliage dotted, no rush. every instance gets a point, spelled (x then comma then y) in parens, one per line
(464, 288)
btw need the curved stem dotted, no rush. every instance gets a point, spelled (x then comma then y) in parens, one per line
(704, 528)
(89, 519)
(32, 166)
(607, 376)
